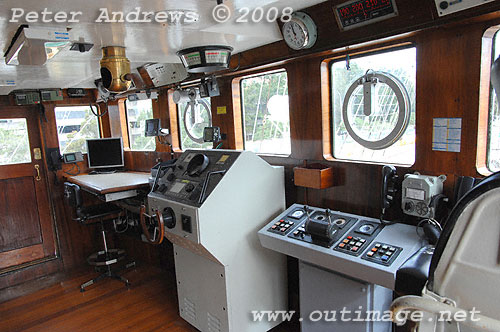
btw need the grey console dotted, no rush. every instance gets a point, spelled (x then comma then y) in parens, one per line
(346, 261)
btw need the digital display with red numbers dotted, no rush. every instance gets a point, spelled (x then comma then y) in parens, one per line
(361, 12)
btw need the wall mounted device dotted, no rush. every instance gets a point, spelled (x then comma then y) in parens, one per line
(209, 87)
(143, 96)
(358, 13)
(51, 95)
(205, 59)
(160, 74)
(300, 32)
(34, 46)
(346, 262)
(76, 92)
(419, 192)
(152, 128)
(389, 179)
(212, 134)
(73, 157)
(27, 98)
(115, 69)
(81, 47)
(446, 7)
(212, 203)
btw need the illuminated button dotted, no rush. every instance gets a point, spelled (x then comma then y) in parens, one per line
(377, 245)
(283, 229)
(355, 249)
(389, 253)
(359, 244)
(346, 241)
(278, 223)
(296, 233)
(342, 245)
(287, 226)
(385, 247)
(392, 249)
(370, 254)
(352, 243)
(282, 220)
(385, 258)
(362, 240)
(349, 237)
(274, 227)
(302, 229)
(374, 250)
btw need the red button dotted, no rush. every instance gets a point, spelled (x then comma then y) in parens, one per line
(349, 237)
(374, 249)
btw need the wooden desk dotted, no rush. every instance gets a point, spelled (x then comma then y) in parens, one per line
(112, 186)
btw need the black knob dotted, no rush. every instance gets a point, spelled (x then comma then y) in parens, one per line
(189, 187)
(169, 217)
(162, 188)
(408, 206)
(444, 5)
(171, 177)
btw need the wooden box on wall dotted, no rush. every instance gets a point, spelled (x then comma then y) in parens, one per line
(314, 176)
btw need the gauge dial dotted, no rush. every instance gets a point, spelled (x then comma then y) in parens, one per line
(300, 32)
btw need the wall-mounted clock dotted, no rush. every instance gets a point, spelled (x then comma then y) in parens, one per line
(300, 32)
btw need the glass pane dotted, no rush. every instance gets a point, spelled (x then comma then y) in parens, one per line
(385, 108)
(14, 142)
(137, 113)
(75, 124)
(192, 121)
(494, 130)
(266, 117)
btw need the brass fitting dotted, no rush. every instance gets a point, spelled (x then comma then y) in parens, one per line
(115, 69)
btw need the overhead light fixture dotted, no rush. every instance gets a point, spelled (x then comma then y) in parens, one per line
(205, 59)
(34, 46)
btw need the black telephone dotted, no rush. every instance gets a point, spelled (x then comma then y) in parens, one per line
(389, 179)
(54, 159)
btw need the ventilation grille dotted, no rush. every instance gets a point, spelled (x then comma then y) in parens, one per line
(189, 310)
(213, 323)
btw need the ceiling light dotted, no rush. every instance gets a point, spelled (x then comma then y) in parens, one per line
(34, 46)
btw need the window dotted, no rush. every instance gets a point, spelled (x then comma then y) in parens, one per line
(381, 128)
(493, 159)
(266, 118)
(193, 118)
(137, 113)
(75, 124)
(14, 142)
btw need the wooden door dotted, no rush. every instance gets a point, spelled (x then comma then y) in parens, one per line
(27, 233)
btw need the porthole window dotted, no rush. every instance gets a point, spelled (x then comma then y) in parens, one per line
(373, 107)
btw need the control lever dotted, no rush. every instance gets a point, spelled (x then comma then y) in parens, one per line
(322, 231)
(389, 178)
(205, 185)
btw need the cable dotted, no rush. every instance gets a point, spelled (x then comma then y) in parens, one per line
(219, 146)
(431, 221)
(70, 173)
(97, 111)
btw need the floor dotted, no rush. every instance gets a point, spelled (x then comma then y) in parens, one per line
(149, 305)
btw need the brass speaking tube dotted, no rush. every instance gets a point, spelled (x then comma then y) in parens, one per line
(115, 69)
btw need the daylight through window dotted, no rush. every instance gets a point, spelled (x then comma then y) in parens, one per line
(381, 129)
(193, 118)
(75, 124)
(14, 142)
(137, 113)
(266, 118)
(494, 119)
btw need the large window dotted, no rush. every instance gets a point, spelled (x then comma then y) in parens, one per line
(193, 118)
(373, 107)
(137, 113)
(75, 124)
(494, 119)
(266, 118)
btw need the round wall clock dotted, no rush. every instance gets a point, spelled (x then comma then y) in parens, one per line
(300, 32)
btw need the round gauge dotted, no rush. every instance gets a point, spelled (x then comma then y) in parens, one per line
(300, 32)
